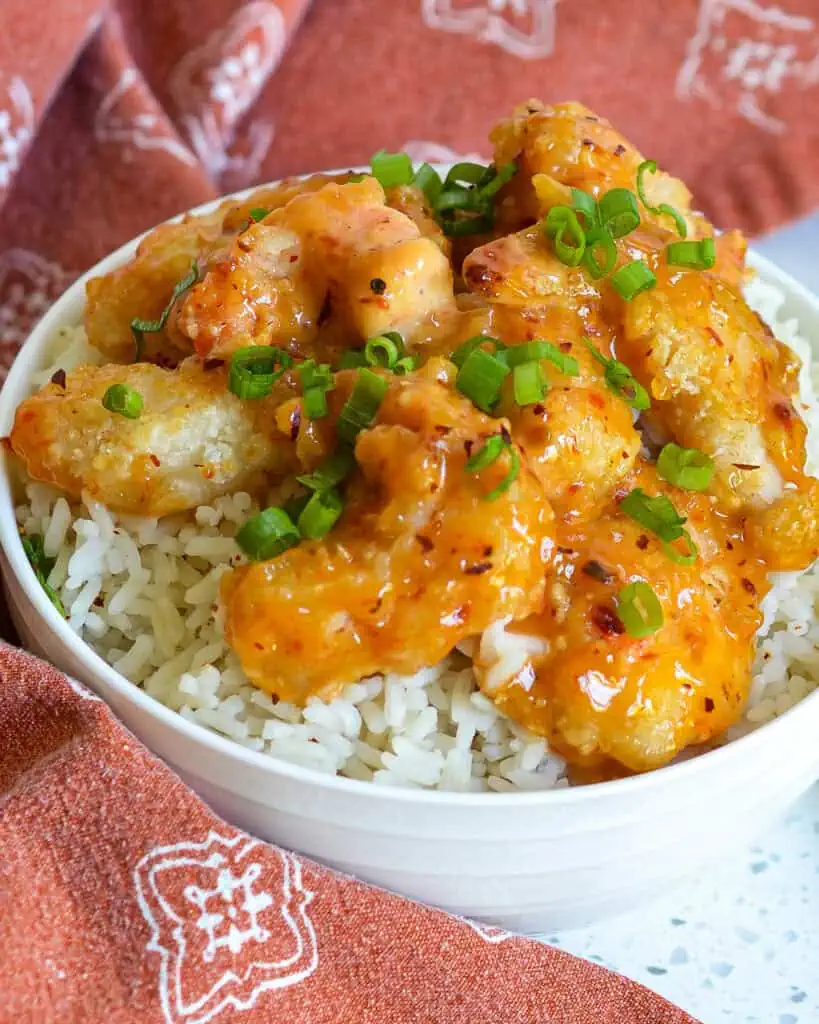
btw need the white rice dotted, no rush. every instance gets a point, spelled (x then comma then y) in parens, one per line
(143, 593)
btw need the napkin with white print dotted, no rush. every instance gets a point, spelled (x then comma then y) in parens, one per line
(124, 899)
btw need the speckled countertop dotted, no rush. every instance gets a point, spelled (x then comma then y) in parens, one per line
(742, 942)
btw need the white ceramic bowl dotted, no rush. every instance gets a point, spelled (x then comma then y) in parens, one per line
(527, 861)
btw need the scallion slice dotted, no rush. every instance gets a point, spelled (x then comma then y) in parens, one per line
(352, 359)
(384, 350)
(650, 167)
(486, 454)
(258, 213)
(429, 181)
(599, 241)
(480, 378)
(619, 212)
(517, 354)
(639, 609)
(315, 375)
(361, 407)
(585, 207)
(568, 238)
(657, 513)
(509, 479)
(255, 369)
(41, 565)
(621, 380)
(468, 173)
(632, 279)
(267, 534)
(331, 472)
(528, 383)
(695, 255)
(687, 468)
(139, 328)
(391, 168)
(405, 366)
(314, 403)
(462, 352)
(455, 227)
(495, 184)
(320, 514)
(124, 401)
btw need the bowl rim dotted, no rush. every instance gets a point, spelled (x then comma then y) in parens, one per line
(62, 313)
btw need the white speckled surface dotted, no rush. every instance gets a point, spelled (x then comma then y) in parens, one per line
(739, 944)
(742, 943)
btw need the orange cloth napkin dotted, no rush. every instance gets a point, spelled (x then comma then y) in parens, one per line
(114, 116)
(124, 899)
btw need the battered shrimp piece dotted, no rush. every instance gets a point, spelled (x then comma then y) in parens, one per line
(580, 438)
(419, 560)
(720, 381)
(572, 146)
(339, 251)
(608, 701)
(192, 442)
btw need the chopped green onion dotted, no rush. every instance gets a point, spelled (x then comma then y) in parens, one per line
(650, 167)
(486, 454)
(480, 379)
(639, 609)
(405, 366)
(314, 375)
(688, 468)
(331, 472)
(509, 479)
(391, 168)
(599, 239)
(655, 513)
(142, 327)
(352, 359)
(682, 557)
(429, 181)
(568, 238)
(585, 205)
(461, 353)
(528, 383)
(454, 228)
(619, 212)
(696, 255)
(255, 369)
(42, 566)
(121, 399)
(315, 403)
(295, 506)
(621, 380)
(361, 407)
(517, 354)
(467, 173)
(505, 174)
(267, 534)
(258, 213)
(320, 514)
(632, 279)
(384, 350)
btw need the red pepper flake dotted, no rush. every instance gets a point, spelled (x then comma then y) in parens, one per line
(709, 705)
(596, 400)
(642, 542)
(443, 430)
(212, 364)
(715, 336)
(477, 569)
(744, 465)
(619, 149)
(565, 346)
(588, 142)
(784, 412)
(538, 409)
(504, 433)
(154, 459)
(258, 646)
(487, 551)
(605, 618)
(324, 315)
(58, 378)
(425, 542)
(377, 606)
(597, 571)
(747, 585)
(468, 446)
(295, 423)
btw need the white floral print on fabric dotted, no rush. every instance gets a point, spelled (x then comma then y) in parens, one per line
(81, 690)
(16, 127)
(743, 52)
(215, 85)
(121, 117)
(227, 926)
(524, 28)
(29, 284)
(489, 932)
(419, 151)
